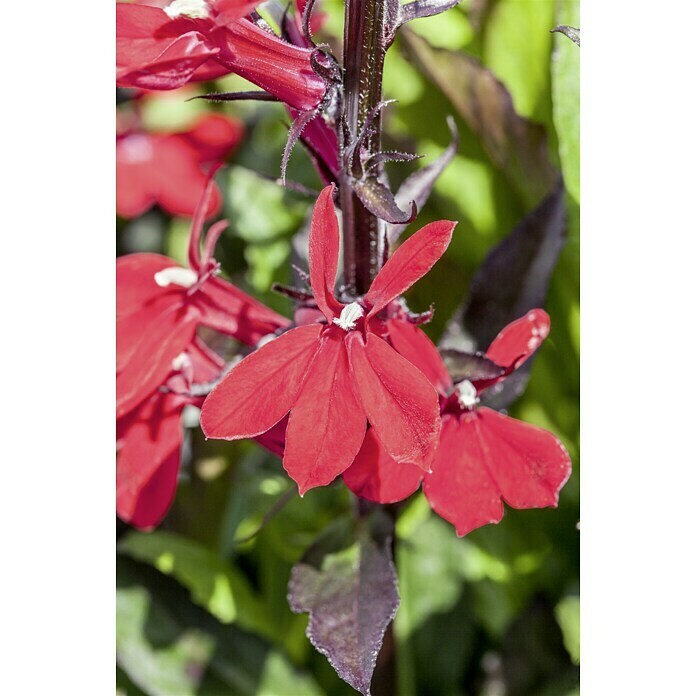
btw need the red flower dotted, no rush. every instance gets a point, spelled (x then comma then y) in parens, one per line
(149, 439)
(166, 168)
(160, 305)
(483, 456)
(200, 40)
(333, 377)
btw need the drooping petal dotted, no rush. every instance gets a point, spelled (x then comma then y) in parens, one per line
(135, 281)
(262, 388)
(148, 460)
(529, 464)
(228, 309)
(324, 244)
(376, 476)
(410, 262)
(460, 488)
(327, 423)
(486, 456)
(419, 350)
(519, 339)
(400, 403)
(132, 329)
(169, 336)
(155, 52)
(214, 136)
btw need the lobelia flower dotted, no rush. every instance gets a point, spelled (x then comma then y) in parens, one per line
(483, 456)
(335, 376)
(150, 436)
(167, 168)
(198, 40)
(160, 305)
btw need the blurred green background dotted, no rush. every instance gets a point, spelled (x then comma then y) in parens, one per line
(493, 614)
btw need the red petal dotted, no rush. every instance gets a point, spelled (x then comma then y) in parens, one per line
(180, 180)
(228, 309)
(229, 10)
(410, 262)
(262, 388)
(148, 461)
(207, 364)
(169, 336)
(324, 243)
(327, 424)
(419, 350)
(214, 136)
(155, 52)
(400, 403)
(529, 464)
(486, 456)
(135, 156)
(460, 488)
(519, 339)
(374, 475)
(135, 281)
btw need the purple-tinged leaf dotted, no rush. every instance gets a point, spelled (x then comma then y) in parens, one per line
(516, 146)
(400, 14)
(252, 95)
(418, 186)
(389, 156)
(350, 591)
(572, 33)
(379, 200)
(298, 124)
(512, 280)
(475, 367)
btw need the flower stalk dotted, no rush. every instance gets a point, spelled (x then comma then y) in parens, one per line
(364, 49)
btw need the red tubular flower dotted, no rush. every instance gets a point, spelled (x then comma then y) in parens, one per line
(149, 439)
(197, 40)
(333, 377)
(483, 456)
(160, 305)
(167, 168)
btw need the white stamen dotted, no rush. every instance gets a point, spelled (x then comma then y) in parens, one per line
(185, 277)
(196, 9)
(265, 339)
(181, 361)
(466, 394)
(349, 316)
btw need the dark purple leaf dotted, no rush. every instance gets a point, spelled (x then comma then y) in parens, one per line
(572, 33)
(512, 280)
(389, 156)
(419, 185)
(349, 587)
(379, 200)
(253, 95)
(414, 10)
(475, 367)
(516, 146)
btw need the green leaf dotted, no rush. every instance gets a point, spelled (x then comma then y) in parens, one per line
(565, 70)
(568, 617)
(214, 584)
(514, 144)
(152, 649)
(517, 48)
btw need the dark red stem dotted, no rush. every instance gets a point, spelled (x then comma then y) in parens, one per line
(363, 60)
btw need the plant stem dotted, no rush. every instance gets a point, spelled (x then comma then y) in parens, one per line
(363, 61)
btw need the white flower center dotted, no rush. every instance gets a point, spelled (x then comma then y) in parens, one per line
(349, 316)
(196, 9)
(176, 275)
(466, 394)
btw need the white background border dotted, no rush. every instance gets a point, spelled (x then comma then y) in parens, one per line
(58, 298)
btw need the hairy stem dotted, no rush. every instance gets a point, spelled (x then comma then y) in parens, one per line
(363, 60)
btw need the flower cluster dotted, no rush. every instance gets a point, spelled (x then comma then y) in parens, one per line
(352, 387)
